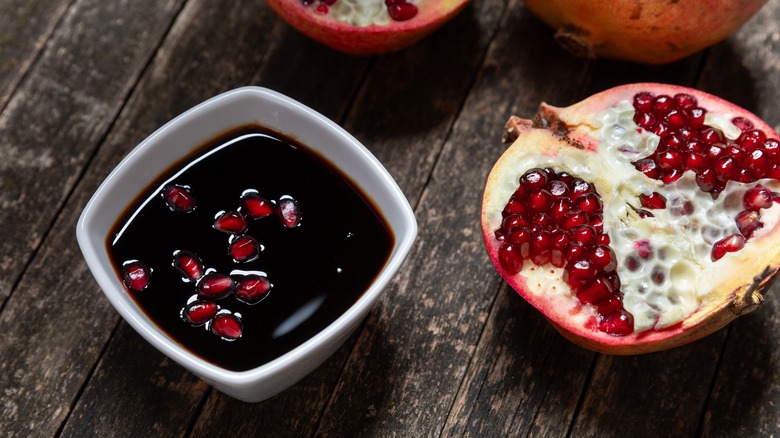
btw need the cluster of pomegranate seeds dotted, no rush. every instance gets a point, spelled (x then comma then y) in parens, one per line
(748, 221)
(210, 285)
(688, 144)
(556, 218)
(399, 10)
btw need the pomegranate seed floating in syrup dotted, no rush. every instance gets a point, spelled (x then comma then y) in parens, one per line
(259, 263)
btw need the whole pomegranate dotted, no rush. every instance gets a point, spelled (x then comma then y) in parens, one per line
(367, 27)
(639, 219)
(649, 31)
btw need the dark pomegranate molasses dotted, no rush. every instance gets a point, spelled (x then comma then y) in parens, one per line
(248, 248)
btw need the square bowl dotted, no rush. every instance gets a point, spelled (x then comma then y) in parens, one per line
(175, 141)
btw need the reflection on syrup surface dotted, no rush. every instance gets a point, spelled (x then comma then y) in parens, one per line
(317, 268)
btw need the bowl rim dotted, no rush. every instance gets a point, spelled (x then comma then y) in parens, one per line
(405, 234)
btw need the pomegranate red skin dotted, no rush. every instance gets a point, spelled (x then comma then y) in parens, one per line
(649, 32)
(553, 131)
(368, 40)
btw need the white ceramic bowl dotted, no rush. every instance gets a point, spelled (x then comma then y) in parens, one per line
(176, 140)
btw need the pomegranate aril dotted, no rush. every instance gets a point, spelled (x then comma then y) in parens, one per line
(671, 176)
(706, 180)
(510, 222)
(742, 123)
(559, 208)
(595, 291)
(597, 222)
(696, 116)
(573, 218)
(136, 275)
(244, 249)
(757, 198)
(695, 161)
(402, 11)
(676, 119)
(644, 120)
(542, 219)
(179, 198)
(684, 100)
(772, 149)
(751, 139)
(670, 160)
(589, 203)
(726, 169)
(231, 222)
(255, 206)
(199, 312)
(728, 244)
(575, 251)
(289, 212)
(520, 238)
(604, 258)
(662, 104)
(584, 234)
(611, 304)
(580, 187)
(710, 135)
(643, 101)
(534, 179)
(618, 323)
(748, 222)
(509, 258)
(253, 288)
(541, 247)
(321, 9)
(603, 239)
(540, 201)
(579, 273)
(215, 286)
(648, 167)
(671, 141)
(514, 207)
(558, 189)
(653, 201)
(188, 264)
(227, 326)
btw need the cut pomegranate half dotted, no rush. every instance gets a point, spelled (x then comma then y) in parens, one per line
(598, 216)
(367, 27)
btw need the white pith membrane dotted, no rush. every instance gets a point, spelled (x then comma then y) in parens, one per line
(678, 275)
(363, 13)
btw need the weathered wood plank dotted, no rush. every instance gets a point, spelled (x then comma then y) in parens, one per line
(25, 26)
(56, 325)
(60, 112)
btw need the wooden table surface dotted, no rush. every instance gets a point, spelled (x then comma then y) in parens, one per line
(450, 349)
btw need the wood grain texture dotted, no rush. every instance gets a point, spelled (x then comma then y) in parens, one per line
(56, 323)
(60, 112)
(25, 26)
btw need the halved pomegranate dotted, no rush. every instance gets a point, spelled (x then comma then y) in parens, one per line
(639, 219)
(367, 27)
(650, 31)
